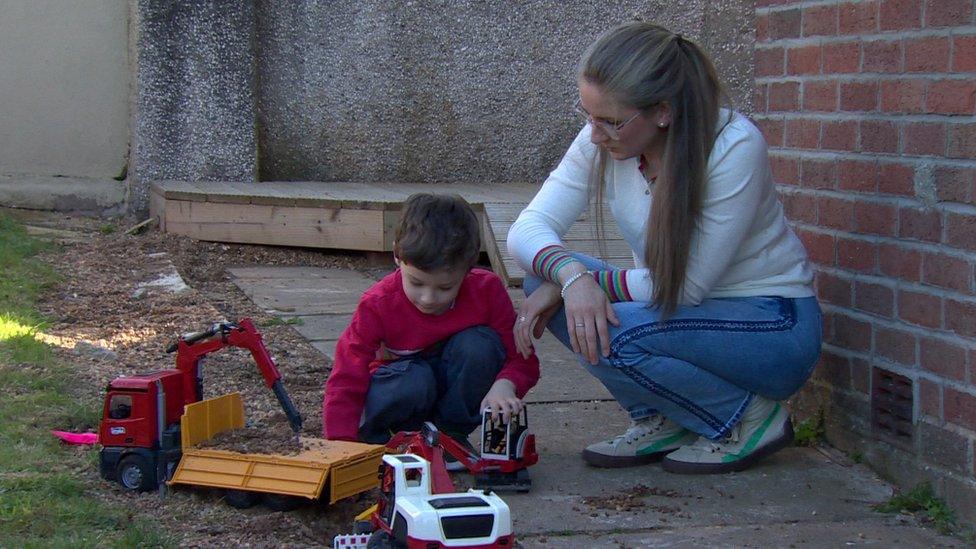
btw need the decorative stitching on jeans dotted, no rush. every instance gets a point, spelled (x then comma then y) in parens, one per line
(787, 320)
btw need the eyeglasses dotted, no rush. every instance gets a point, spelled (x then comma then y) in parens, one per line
(611, 130)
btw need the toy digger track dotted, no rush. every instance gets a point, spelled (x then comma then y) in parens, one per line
(348, 467)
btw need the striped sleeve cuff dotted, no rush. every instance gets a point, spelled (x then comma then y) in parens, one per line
(614, 284)
(549, 260)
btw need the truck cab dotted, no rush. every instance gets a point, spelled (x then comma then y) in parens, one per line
(139, 431)
(414, 517)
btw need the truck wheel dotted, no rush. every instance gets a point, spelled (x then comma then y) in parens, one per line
(241, 499)
(280, 502)
(381, 540)
(135, 474)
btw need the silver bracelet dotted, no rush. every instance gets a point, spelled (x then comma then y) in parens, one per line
(569, 282)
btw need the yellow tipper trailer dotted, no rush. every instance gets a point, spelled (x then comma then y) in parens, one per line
(347, 468)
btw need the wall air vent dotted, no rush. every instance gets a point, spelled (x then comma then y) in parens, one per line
(892, 403)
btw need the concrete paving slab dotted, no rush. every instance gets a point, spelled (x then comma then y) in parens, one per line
(795, 486)
(563, 379)
(310, 291)
(875, 532)
(321, 327)
(294, 272)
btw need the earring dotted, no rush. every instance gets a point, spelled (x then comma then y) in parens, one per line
(661, 125)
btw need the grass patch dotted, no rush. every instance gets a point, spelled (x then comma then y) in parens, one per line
(810, 431)
(278, 321)
(922, 501)
(44, 502)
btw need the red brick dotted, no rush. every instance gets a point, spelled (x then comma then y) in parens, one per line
(882, 56)
(820, 95)
(762, 28)
(920, 224)
(920, 308)
(803, 60)
(930, 394)
(962, 141)
(820, 21)
(818, 174)
(839, 135)
(900, 262)
(896, 179)
(900, 14)
(772, 130)
(784, 24)
(800, 207)
(951, 97)
(851, 333)
(924, 138)
(769, 61)
(895, 345)
(834, 369)
(819, 246)
(857, 18)
(786, 169)
(961, 231)
(842, 57)
(959, 408)
(784, 96)
(759, 98)
(874, 298)
(857, 255)
(802, 133)
(903, 96)
(858, 96)
(874, 218)
(942, 358)
(954, 184)
(835, 213)
(948, 13)
(948, 272)
(857, 175)
(964, 53)
(930, 54)
(860, 375)
(960, 317)
(834, 289)
(879, 136)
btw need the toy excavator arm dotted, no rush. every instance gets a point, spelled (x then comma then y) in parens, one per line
(192, 347)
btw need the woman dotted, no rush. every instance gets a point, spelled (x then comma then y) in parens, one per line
(718, 322)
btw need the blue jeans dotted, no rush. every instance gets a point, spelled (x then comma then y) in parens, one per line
(702, 366)
(445, 387)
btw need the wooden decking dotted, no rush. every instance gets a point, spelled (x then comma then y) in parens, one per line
(347, 216)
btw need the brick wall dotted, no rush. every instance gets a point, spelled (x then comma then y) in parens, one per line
(868, 108)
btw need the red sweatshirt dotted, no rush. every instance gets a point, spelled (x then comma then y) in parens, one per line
(387, 327)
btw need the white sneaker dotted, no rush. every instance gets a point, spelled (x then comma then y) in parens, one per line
(646, 441)
(764, 429)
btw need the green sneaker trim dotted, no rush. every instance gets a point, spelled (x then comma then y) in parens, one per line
(657, 446)
(754, 439)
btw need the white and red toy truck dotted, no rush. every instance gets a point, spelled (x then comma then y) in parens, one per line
(410, 515)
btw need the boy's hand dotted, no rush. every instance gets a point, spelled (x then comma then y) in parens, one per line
(501, 400)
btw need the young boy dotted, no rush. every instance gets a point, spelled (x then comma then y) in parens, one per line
(430, 342)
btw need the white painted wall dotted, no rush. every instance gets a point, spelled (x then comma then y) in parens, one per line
(64, 87)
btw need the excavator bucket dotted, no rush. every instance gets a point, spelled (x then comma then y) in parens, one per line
(348, 467)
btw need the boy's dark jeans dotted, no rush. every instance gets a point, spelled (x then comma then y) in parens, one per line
(445, 387)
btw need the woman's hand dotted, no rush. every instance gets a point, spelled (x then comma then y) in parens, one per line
(501, 400)
(533, 315)
(587, 312)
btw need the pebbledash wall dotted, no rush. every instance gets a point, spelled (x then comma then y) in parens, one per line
(868, 107)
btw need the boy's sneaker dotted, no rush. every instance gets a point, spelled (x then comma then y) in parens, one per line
(764, 429)
(646, 441)
(452, 463)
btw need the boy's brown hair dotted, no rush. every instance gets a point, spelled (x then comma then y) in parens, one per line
(437, 231)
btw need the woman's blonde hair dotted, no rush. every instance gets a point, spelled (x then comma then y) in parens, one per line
(641, 65)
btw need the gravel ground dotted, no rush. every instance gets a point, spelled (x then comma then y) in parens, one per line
(104, 323)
